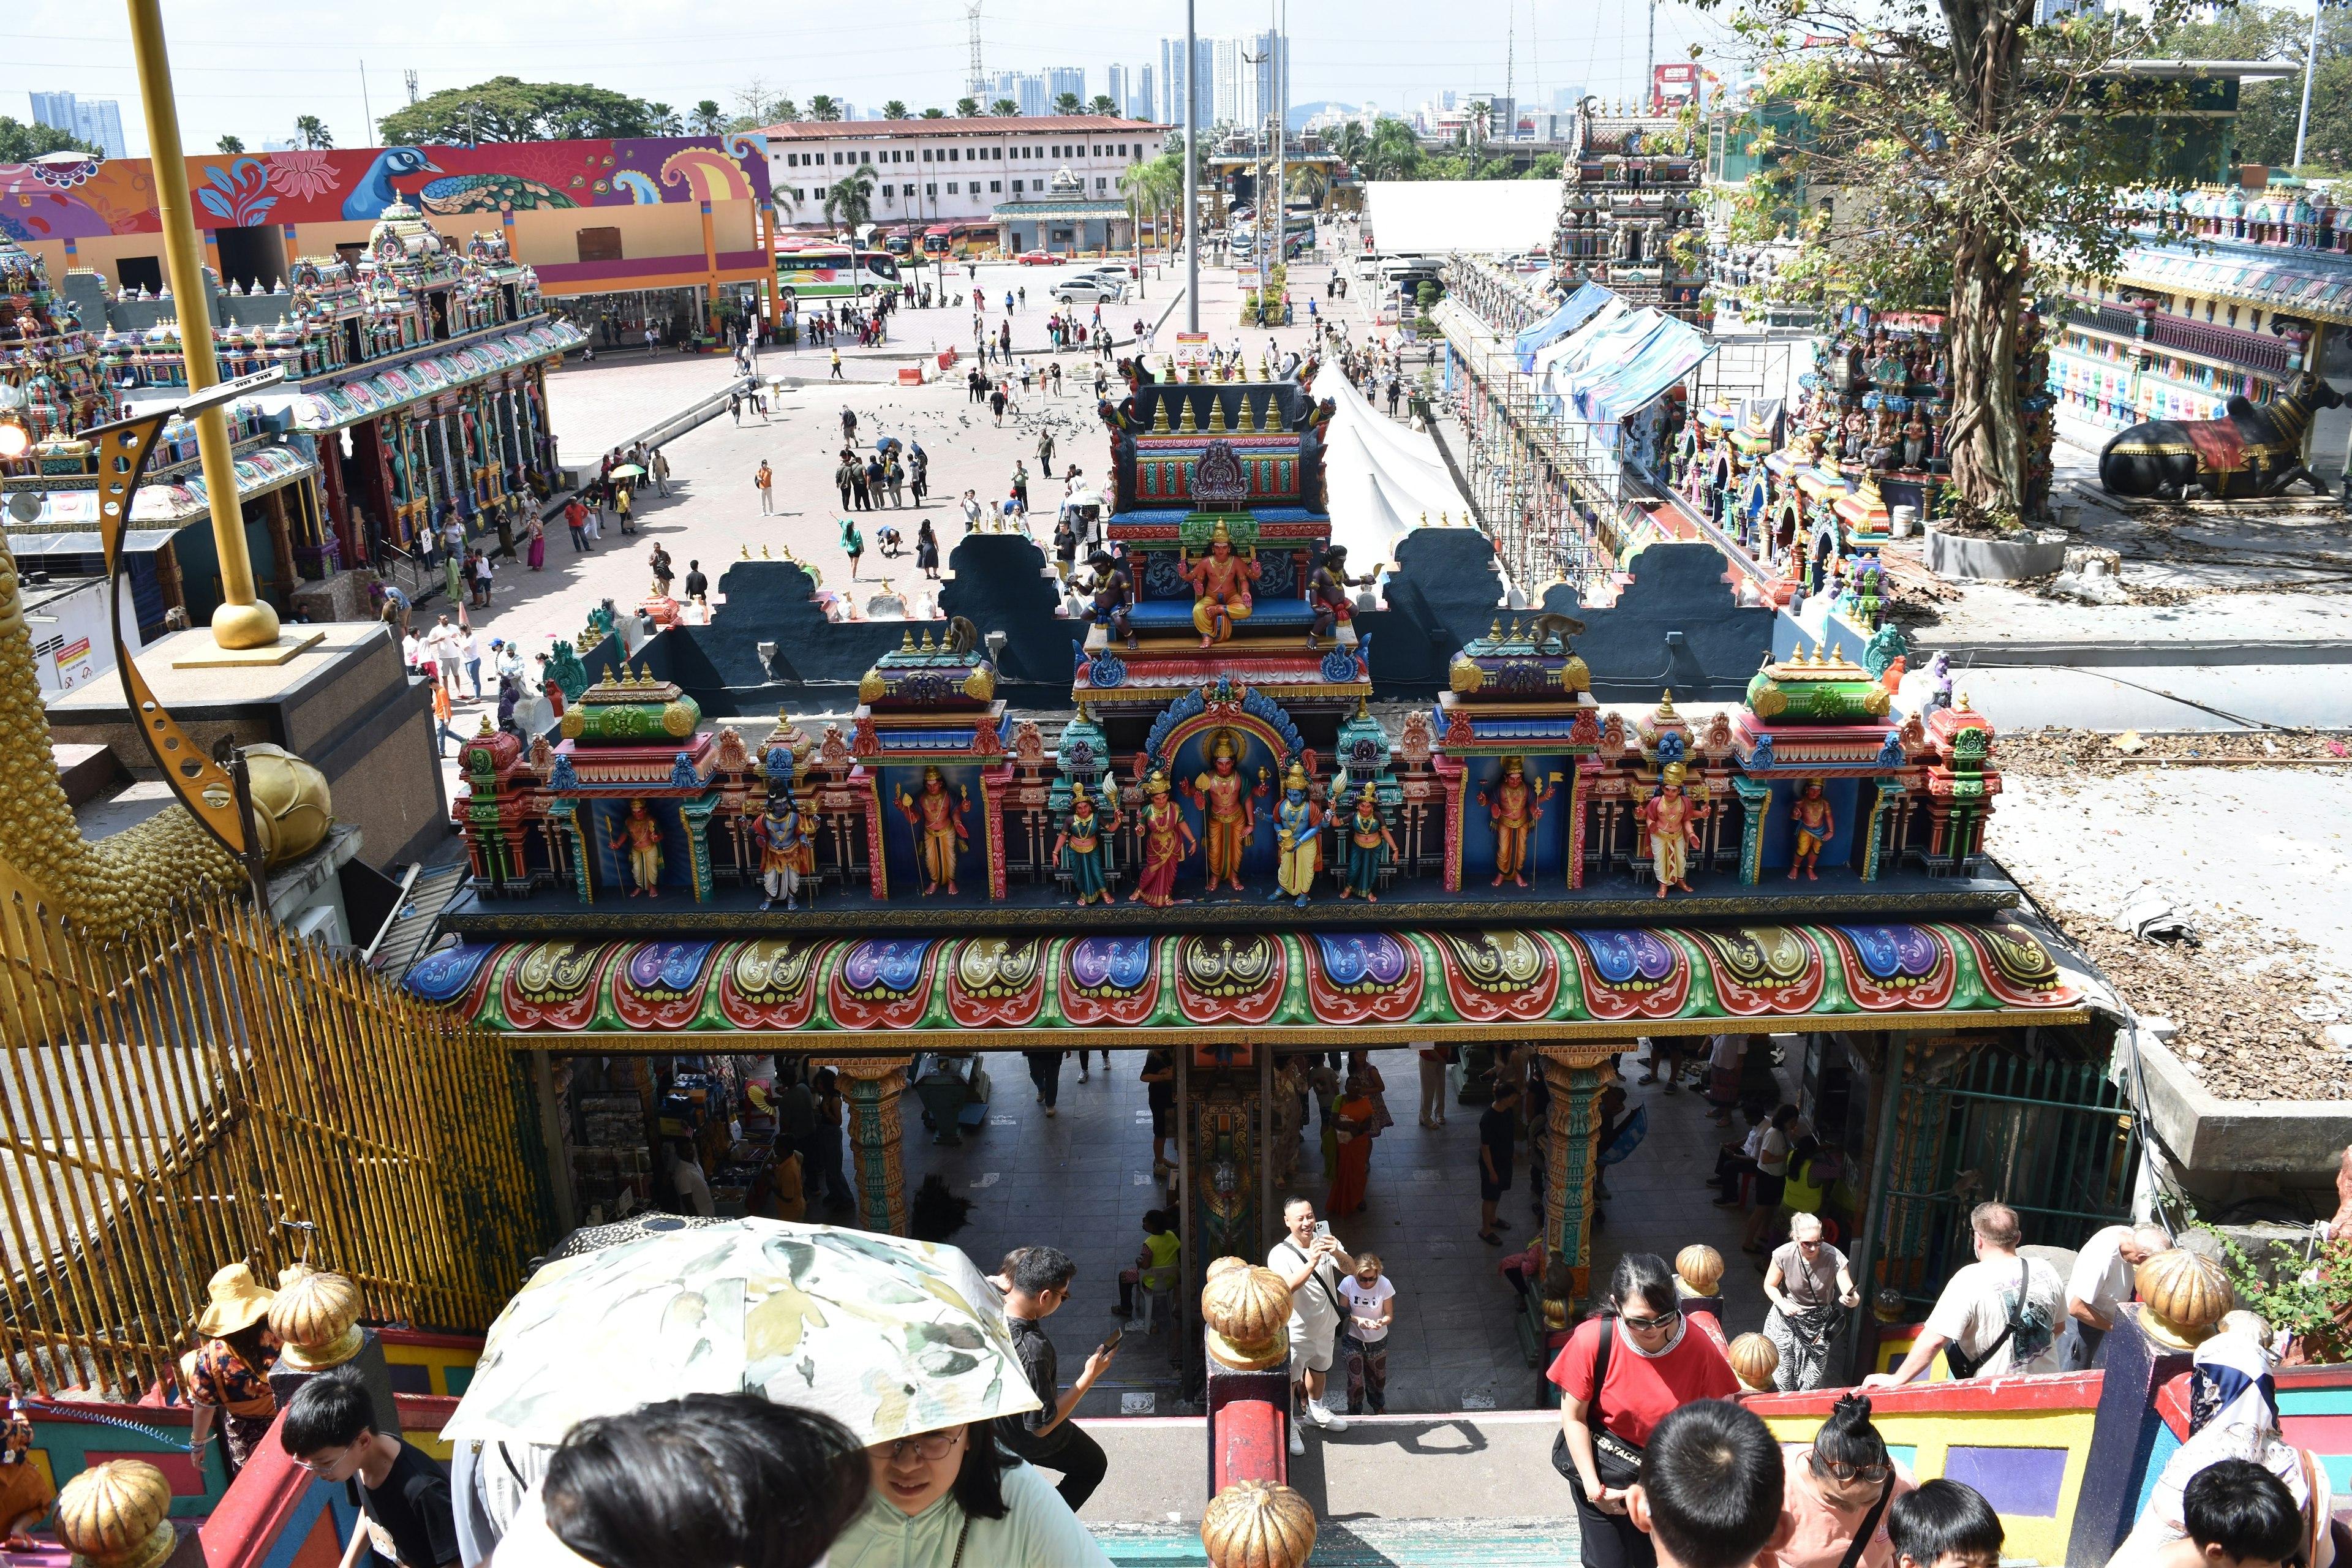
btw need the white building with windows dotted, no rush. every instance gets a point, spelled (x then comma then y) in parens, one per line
(953, 171)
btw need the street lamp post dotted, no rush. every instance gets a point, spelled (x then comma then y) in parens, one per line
(244, 619)
(1192, 177)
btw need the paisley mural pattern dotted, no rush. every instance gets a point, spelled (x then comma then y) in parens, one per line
(1584, 983)
(997, 982)
(1363, 977)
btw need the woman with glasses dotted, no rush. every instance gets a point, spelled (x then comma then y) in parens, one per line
(1807, 1284)
(956, 1496)
(1838, 1490)
(1620, 1375)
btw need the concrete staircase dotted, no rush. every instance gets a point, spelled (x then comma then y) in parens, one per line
(1370, 1543)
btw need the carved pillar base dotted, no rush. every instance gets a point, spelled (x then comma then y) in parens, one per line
(872, 1087)
(1218, 1120)
(1572, 1125)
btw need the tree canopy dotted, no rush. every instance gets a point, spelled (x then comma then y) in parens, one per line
(507, 109)
(2267, 111)
(21, 144)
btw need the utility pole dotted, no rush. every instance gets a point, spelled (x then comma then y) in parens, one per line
(1511, 64)
(1280, 48)
(1192, 173)
(2310, 63)
(1650, 61)
(979, 85)
(411, 77)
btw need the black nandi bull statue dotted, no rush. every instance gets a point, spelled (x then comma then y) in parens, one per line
(2254, 449)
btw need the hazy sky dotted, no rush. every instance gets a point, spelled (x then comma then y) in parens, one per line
(248, 69)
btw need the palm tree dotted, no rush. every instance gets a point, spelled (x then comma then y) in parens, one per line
(849, 201)
(1004, 108)
(1102, 104)
(708, 119)
(895, 110)
(661, 119)
(231, 145)
(935, 114)
(1310, 182)
(966, 109)
(824, 106)
(311, 131)
(783, 111)
(1066, 103)
(1394, 153)
(1351, 142)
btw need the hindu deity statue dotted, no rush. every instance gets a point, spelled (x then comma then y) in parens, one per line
(1109, 596)
(1369, 847)
(1514, 811)
(1815, 823)
(639, 837)
(1083, 848)
(785, 852)
(1673, 822)
(1167, 841)
(1298, 839)
(941, 834)
(1915, 444)
(1855, 445)
(1228, 811)
(1221, 593)
(1328, 590)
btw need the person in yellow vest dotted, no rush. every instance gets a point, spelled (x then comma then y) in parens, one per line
(1155, 1264)
(228, 1376)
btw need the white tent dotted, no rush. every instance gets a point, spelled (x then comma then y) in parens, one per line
(1482, 216)
(1381, 480)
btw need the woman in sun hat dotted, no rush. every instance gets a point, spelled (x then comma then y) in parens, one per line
(228, 1374)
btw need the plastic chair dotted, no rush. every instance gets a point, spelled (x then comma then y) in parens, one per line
(1156, 1299)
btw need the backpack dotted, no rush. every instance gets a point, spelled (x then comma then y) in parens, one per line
(2029, 1324)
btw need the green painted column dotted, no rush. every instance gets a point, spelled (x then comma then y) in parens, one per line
(1574, 1120)
(872, 1086)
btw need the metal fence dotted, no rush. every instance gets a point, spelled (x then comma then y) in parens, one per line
(208, 1090)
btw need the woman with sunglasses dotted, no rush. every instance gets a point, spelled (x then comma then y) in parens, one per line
(1838, 1489)
(956, 1496)
(1808, 1282)
(1620, 1375)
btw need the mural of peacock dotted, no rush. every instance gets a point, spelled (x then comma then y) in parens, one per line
(489, 192)
(375, 193)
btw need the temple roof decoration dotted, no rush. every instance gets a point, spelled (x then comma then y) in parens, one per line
(1447, 984)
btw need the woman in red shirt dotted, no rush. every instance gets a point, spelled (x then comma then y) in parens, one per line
(1620, 1375)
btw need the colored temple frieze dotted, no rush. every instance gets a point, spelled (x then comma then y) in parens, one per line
(1461, 983)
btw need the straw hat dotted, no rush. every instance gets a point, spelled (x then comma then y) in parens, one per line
(237, 1302)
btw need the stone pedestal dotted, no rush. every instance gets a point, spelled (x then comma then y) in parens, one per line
(340, 597)
(373, 1370)
(344, 705)
(872, 1087)
(2123, 1435)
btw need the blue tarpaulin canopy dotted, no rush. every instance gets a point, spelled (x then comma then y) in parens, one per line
(1573, 312)
(1606, 393)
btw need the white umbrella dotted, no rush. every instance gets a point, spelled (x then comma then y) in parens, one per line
(889, 1337)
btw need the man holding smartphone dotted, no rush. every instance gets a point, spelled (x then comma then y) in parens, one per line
(1040, 1280)
(1312, 1263)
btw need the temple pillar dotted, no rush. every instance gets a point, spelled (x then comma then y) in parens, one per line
(872, 1086)
(1576, 1080)
(1220, 1147)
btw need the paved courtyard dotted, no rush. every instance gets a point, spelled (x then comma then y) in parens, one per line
(1082, 1180)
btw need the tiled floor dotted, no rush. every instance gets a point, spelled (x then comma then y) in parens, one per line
(1082, 1180)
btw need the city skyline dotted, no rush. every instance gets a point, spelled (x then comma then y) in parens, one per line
(913, 50)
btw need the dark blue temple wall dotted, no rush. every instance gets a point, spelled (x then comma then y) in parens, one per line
(1675, 623)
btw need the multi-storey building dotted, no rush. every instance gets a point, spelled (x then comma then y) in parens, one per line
(1630, 190)
(97, 120)
(1060, 79)
(1174, 76)
(955, 170)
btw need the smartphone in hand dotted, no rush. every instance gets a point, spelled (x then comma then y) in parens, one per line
(1111, 1343)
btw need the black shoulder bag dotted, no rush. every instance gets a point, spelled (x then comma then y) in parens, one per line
(1861, 1542)
(1963, 1364)
(1617, 1462)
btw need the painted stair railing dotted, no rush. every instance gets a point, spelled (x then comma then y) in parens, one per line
(1253, 1519)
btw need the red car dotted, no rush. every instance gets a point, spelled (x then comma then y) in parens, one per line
(1039, 258)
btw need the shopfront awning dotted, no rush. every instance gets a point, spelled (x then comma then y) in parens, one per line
(901, 994)
(163, 505)
(364, 397)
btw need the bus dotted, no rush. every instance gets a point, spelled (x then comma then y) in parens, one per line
(946, 239)
(822, 271)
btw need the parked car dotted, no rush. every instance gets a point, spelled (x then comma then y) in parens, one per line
(1086, 291)
(1039, 258)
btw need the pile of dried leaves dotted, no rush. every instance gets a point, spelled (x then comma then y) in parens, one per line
(2059, 755)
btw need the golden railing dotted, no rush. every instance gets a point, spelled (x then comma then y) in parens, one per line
(207, 1089)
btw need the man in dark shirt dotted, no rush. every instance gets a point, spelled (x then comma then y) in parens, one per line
(1495, 1133)
(329, 1428)
(1046, 1436)
(697, 586)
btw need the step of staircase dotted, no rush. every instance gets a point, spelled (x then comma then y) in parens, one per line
(1370, 1543)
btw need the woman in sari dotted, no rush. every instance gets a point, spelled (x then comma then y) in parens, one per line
(1357, 1119)
(537, 544)
(1167, 841)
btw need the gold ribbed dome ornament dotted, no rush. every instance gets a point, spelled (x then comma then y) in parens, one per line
(1258, 1524)
(1246, 1310)
(117, 1515)
(1754, 1359)
(317, 1315)
(2183, 1295)
(1698, 1270)
(292, 807)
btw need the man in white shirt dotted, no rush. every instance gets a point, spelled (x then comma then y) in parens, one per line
(2105, 1277)
(2001, 1313)
(441, 643)
(469, 648)
(1312, 1266)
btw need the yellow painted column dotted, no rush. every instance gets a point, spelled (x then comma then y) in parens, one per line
(243, 621)
(710, 262)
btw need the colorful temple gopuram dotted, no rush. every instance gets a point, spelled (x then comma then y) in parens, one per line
(1232, 827)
